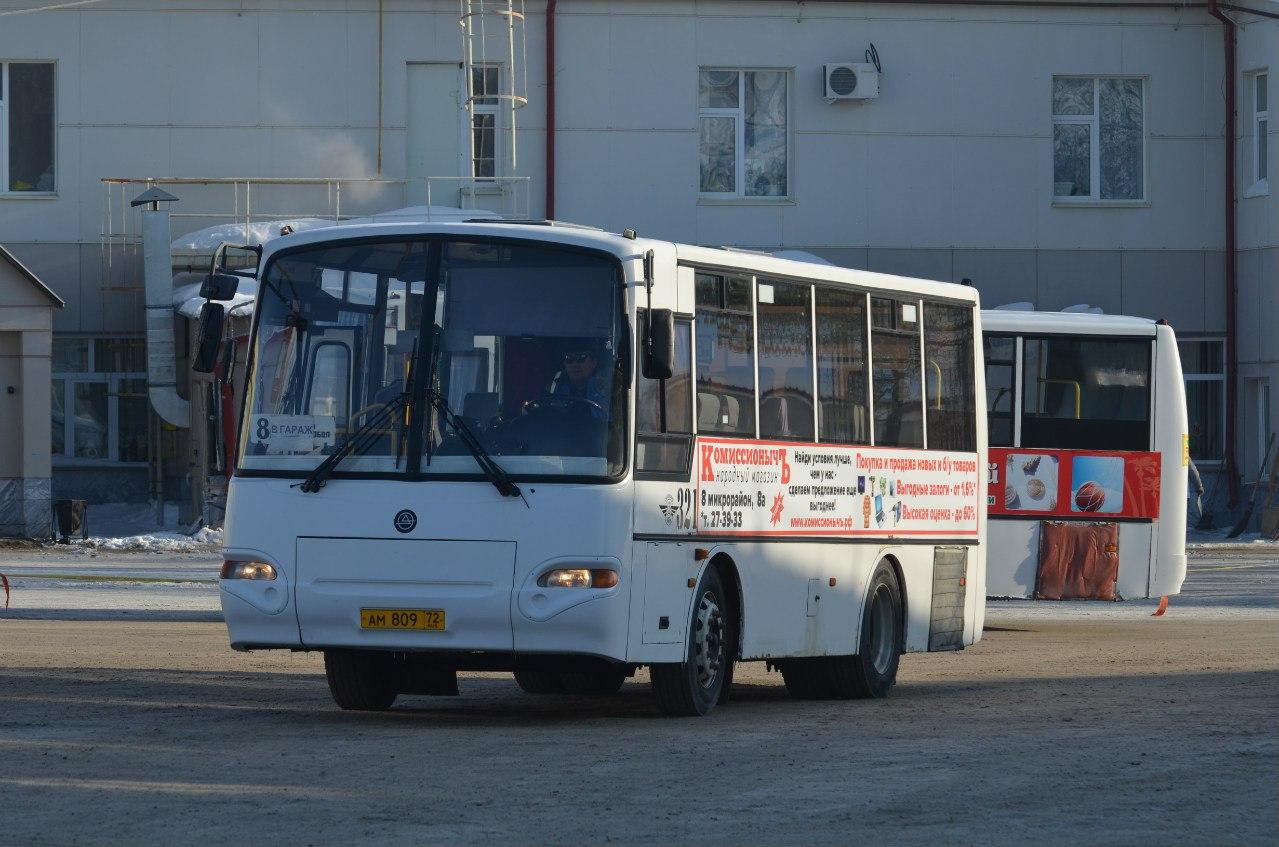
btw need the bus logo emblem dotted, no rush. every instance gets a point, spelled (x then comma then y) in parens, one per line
(405, 520)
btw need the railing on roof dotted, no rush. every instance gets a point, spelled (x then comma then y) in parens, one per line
(243, 206)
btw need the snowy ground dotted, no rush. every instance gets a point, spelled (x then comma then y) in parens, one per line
(133, 527)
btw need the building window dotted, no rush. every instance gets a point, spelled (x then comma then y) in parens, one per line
(26, 127)
(742, 133)
(1203, 365)
(1260, 126)
(485, 82)
(99, 399)
(1099, 138)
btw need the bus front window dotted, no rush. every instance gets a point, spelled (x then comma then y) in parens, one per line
(521, 344)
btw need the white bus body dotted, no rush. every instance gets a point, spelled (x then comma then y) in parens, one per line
(780, 544)
(1073, 396)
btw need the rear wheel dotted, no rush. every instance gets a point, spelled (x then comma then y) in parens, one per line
(365, 681)
(694, 686)
(539, 682)
(608, 681)
(873, 671)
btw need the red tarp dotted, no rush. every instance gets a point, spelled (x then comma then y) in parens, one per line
(1077, 561)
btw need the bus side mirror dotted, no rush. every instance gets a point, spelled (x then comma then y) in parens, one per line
(659, 346)
(212, 316)
(219, 286)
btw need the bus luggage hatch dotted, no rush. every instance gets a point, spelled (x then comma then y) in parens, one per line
(428, 594)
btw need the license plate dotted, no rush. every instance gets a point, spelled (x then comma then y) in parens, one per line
(402, 619)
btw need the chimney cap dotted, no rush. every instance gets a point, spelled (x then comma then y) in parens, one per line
(153, 195)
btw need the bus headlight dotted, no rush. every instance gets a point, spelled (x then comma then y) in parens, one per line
(579, 578)
(247, 570)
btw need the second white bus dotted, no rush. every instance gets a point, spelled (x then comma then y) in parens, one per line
(1088, 456)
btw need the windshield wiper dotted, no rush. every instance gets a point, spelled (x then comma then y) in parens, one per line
(361, 439)
(503, 483)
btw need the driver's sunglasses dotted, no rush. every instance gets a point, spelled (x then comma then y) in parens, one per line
(576, 358)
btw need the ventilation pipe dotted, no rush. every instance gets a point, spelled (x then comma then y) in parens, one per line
(157, 273)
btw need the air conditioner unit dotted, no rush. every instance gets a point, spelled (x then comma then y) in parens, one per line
(851, 81)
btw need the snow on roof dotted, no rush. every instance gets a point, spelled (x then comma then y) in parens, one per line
(1075, 323)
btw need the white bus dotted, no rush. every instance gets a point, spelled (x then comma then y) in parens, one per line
(566, 453)
(1088, 456)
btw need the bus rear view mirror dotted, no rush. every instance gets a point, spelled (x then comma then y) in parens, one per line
(659, 347)
(212, 316)
(219, 286)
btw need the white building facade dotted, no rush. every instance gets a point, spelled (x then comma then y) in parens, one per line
(1057, 155)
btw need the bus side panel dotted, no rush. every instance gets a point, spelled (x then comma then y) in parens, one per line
(1171, 425)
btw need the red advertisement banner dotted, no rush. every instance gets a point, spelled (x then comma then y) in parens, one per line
(1031, 482)
(785, 488)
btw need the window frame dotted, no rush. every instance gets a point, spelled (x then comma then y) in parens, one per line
(1218, 376)
(5, 75)
(1260, 163)
(1014, 402)
(1093, 121)
(738, 114)
(486, 103)
(664, 433)
(113, 381)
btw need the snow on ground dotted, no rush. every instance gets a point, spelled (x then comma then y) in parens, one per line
(132, 527)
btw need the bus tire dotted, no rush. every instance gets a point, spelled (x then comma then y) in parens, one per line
(872, 672)
(539, 682)
(693, 687)
(807, 678)
(607, 681)
(365, 681)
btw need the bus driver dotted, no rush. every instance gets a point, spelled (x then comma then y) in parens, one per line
(581, 379)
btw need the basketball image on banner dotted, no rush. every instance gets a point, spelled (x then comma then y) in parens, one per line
(787, 488)
(1098, 484)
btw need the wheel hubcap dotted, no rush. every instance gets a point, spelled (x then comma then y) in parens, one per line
(708, 641)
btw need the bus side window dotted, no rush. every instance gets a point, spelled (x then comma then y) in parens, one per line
(1001, 360)
(894, 339)
(1086, 393)
(950, 403)
(725, 356)
(785, 360)
(666, 449)
(841, 367)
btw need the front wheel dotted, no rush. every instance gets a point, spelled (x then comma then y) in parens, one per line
(362, 680)
(873, 671)
(694, 686)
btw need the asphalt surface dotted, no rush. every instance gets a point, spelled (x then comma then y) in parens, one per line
(1057, 728)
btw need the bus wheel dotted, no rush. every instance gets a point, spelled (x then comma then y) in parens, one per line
(694, 686)
(872, 672)
(539, 682)
(607, 681)
(366, 681)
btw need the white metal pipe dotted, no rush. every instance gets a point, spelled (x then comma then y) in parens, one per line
(157, 273)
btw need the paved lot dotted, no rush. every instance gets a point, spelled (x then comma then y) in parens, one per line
(1115, 729)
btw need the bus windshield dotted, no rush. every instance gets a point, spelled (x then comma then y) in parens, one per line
(521, 343)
